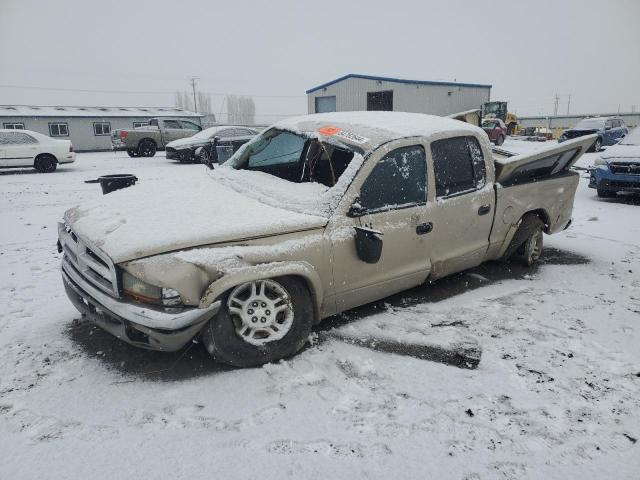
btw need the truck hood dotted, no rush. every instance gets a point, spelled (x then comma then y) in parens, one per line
(187, 142)
(631, 153)
(153, 218)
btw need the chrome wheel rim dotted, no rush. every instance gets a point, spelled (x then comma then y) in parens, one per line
(261, 311)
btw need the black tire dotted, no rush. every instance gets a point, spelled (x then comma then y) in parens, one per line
(226, 346)
(132, 153)
(511, 128)
(45, 163)
(500, 140)
(606, 193)
(147, 148)
(597, 145)
(527, 243)
(203, 158)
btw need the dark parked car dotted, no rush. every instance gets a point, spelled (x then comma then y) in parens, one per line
(618, 169)
(609, 129)
(495, 129)
(184, 149)
(219, 150)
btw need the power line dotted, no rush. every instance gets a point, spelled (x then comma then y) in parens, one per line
(143, 92)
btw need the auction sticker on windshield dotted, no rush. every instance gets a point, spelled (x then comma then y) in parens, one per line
(345, 134)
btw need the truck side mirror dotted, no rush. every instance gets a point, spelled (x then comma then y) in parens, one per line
(368, 244)
(356, 209)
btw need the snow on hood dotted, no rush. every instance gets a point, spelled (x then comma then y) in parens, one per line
(630, 153)
(157, 217)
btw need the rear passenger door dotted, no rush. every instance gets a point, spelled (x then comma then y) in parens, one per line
(172, 131)
(463, 205)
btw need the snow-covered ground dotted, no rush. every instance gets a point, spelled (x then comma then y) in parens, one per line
(556, 393)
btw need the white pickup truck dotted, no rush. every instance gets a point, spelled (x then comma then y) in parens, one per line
(314, 216)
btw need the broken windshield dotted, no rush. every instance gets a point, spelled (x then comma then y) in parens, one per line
(294, 157)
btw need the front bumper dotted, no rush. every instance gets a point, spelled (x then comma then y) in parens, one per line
(137, 325)
(183, 155)
(603, 178)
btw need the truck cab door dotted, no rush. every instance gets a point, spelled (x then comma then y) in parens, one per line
(391, 209)
(171, 130)
(464, 204)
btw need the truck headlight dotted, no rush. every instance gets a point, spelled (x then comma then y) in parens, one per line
(147, 293)
(600, 161)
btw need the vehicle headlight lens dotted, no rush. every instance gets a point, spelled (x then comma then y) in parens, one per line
(600, 161)
(147, 293)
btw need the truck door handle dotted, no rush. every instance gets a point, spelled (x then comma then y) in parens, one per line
(424, 228)
(484, 209)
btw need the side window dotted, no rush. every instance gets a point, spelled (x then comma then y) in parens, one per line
(608, 124)
(190, 125)
(458, 165)
(398, 180)
(172, 124)
(143, 124)
(19, 138)
(152, 123)
(13, 126)
(244, 132)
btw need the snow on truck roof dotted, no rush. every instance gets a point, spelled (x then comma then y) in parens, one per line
(369, 129)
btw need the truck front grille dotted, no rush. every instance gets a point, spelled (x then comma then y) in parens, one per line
(96, 267)
(625, 168)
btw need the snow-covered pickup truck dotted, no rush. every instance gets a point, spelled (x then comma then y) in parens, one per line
(145, 141)
(314, 216)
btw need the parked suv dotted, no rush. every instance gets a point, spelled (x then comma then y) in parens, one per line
(609, 130)
(618, 168)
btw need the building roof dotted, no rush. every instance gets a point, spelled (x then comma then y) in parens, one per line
(69, 111)
(397, 80)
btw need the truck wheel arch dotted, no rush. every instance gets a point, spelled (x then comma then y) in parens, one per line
(301, 270)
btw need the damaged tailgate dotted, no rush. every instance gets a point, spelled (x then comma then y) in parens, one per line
(530, 167)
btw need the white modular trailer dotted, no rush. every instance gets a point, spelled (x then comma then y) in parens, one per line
(562, 122)
(88, 128)
(355, 92)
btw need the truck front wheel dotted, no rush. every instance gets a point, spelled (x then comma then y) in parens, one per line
(147, 148)
(260, 322)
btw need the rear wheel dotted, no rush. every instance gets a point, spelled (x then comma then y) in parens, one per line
(527, 243)
(260, 322)
(45, 163)
(147, 148)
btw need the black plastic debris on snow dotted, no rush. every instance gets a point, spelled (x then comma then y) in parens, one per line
(459, 355)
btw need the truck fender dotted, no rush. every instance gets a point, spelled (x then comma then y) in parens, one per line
(264, 271)
(513, 228)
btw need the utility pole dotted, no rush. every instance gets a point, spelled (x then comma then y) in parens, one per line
(193, 87)
(568, 104)
(556, 99)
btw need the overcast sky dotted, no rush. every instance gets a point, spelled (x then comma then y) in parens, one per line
(589, 49)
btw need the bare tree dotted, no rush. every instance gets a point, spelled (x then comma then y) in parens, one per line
(204, 103)
(241, 110)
